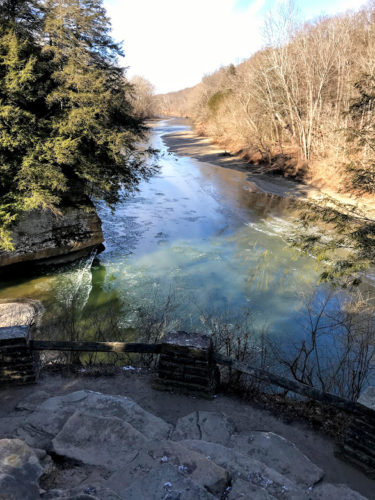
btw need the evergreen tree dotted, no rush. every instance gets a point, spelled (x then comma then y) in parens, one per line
(22, 106)
(65, 118)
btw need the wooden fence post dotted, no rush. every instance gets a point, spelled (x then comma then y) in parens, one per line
(18, 364)
(186, 364)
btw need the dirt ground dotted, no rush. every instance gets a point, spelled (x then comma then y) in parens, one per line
(247, 417)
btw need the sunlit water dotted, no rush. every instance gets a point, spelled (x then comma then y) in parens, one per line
(196, 233)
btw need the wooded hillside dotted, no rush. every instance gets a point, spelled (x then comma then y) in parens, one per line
(304, 104)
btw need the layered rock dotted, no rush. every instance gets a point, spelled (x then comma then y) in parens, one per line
(112, 449)
(42, 234)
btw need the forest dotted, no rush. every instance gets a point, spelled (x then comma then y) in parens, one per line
(303, 105)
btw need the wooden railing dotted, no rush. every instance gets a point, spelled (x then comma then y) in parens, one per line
(187, 366)
(263, 375)
(294, 386)
(62, 345)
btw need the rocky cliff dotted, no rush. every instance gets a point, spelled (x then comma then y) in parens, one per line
(42, 234)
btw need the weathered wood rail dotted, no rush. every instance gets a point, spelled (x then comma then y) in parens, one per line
(358, 444)
(295, 386)
(187, 363)
(263, 375)
(62, 345)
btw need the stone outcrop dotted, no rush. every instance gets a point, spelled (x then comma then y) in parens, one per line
(20, 312)
(42, 234)
(20, 470)
(112, 449)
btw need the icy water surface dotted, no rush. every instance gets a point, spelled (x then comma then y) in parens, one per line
(195, 233)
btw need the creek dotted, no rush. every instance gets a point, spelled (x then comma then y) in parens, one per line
(196, 237)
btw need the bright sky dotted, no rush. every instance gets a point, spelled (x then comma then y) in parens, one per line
(173, 43)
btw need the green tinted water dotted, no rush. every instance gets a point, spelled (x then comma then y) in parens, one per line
(194, 232)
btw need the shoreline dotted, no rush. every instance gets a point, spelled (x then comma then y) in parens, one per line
(204, 149)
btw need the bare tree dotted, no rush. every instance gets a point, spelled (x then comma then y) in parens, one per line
(287, 105)
(142, 97)
(337, 351)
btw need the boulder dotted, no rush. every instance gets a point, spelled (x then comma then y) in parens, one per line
(205, 425)
(9, 426)
(20, 312)
(32, 401)
(188, 463)
(47, 421)
(248, 469)
(84, 492)
(110, 448)
(106, 441)
(20, 471)
(243, 490)
(279, 454)
(95, 403)
(38, 429)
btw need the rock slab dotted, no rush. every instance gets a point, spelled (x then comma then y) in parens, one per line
(204, 425)
(109, 448)
(279, 454)
(20, 471)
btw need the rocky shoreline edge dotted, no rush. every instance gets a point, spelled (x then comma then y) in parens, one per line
(44, 236)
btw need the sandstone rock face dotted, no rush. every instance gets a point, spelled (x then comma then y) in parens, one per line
(112, 449)
(43, 234)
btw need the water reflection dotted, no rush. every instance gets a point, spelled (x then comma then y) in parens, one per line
(196, 231)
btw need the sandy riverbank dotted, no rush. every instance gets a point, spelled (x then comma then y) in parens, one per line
(188, 143)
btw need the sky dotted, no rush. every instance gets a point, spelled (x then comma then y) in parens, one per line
(174, 43)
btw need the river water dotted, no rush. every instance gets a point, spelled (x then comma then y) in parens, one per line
(196, 234)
